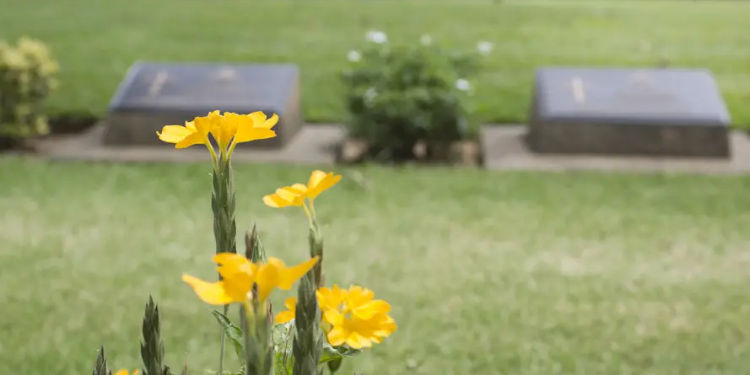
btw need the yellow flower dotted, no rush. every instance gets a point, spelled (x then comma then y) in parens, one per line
(289, 313)
(239, 275)
(350, 317)
(228, 130)
(125, 372)
(360, 320)
(295, 195)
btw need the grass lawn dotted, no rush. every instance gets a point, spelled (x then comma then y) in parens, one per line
(96, 41)
(517, 273)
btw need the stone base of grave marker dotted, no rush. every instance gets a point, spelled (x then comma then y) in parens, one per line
(157, 94)
(660, 112)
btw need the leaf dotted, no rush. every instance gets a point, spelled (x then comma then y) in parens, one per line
(284, 363)
(233, 332)
(282, 344)
(334, 353)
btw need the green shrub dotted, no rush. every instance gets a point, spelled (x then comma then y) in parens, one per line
(27, 75)
(398, 96)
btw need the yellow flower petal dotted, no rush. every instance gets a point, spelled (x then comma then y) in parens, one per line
(357, 296)
(298, 188)
(184, 136)
(288, 314)
(288, 276)
(369, 309)
(275, 274)
(275, 201)
(290, 194)
(260, 121)
(330, 298)
(231, 263)
(253, 127)
(210, 293)
(357, 341)
(267, 279)
(221, 127)
(173, 133)
(286, 196)
(190, 140)
(247, 135)
(319, 182)
(337, 336)
(333, 317)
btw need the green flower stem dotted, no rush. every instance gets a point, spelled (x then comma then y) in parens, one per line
(223, 204)
(256, 327)
(225, 228)
(308, 340)
(315, 240)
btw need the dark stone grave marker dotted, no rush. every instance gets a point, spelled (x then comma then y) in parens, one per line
(157, 94)
(659, 112)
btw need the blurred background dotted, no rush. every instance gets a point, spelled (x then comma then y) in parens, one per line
(488, 272)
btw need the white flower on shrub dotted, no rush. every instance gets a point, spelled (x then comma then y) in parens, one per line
(354, 56)
(376, 36)
(370, 95)
(463, 84)
(425, 39)
(484, 47)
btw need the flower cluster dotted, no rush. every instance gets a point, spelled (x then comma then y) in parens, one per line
(227, 130)
(301, 194)
(240, 276)
(352, 317)
(348, 319)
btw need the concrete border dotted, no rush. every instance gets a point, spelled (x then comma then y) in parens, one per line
(313, 144)
(504, 147)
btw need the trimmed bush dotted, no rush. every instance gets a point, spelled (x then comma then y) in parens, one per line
(27, 76)
(398, 96)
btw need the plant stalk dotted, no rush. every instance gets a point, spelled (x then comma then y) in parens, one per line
(224, 225)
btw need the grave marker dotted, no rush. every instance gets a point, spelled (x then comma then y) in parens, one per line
(662, 112)
(157, 94)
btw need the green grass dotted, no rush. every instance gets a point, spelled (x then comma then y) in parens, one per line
(96, 41)
(517, 273)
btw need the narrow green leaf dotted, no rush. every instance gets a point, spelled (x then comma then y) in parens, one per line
(283, 336)
(331, 353)
(233, 332)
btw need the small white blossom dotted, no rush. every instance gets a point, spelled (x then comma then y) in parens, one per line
(463, 84)
(425, 39)
(354, 56)
(484, 47)
(376, 36)
(370, 94)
